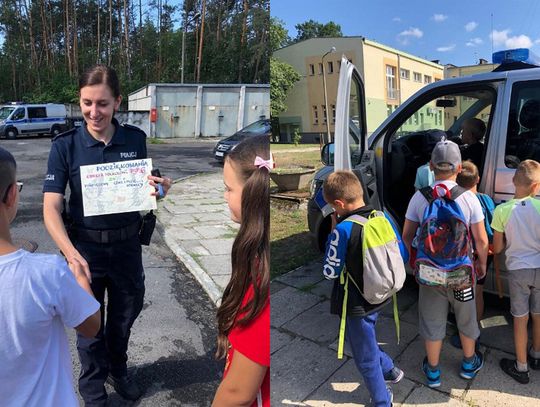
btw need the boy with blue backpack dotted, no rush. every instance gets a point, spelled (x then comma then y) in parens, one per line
(441, 220)
(345, 263)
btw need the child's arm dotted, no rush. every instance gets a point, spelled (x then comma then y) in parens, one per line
(498, 242)
(242, 383)
(409, 230)
(90, 326)
(336, 252)
(481, 243)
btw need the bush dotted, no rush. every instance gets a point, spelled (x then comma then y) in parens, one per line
(296, 136)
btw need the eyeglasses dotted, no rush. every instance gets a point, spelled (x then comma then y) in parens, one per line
(19, 187)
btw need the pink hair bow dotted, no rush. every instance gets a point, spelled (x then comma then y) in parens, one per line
(262, 163)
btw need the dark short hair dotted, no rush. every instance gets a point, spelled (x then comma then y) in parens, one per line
(101, 74)
(8, 167)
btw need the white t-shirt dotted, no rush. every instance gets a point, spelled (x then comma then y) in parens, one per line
(519, 220)
(467, 202)
(38, 296)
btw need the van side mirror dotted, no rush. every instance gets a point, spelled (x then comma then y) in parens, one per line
(327, 154)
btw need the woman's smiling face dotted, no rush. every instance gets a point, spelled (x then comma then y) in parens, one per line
(98, 106)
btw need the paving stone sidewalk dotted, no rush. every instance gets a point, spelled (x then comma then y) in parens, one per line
(196, 225)
(306, 372)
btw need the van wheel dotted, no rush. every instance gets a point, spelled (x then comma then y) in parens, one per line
(55, 131)
(11, 133)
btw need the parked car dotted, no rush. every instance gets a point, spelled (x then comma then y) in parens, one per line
(386, 163)
(254, 129)
(25, 119)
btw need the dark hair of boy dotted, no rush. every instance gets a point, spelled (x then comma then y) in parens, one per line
(7, 170)
(527, 173)
(468, 177)
(250, 256)
(342, 185)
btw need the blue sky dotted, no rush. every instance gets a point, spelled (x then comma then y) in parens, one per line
(457, 32)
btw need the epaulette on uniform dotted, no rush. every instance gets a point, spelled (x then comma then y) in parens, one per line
(130, 127)
(66, 133)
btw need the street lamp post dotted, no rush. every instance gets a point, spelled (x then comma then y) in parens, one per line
(333, 49)
(183, 44)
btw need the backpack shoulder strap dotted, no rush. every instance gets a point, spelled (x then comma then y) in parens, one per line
(456, 191)
(356, 219)
(427, 192)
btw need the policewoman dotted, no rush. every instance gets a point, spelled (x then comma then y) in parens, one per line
(105, 247)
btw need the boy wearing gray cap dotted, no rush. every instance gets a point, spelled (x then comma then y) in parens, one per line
(434, 300)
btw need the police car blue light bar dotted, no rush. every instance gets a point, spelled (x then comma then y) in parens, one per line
(508, 56)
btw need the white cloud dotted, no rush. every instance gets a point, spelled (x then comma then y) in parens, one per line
(473, 42)
(537, 41)
(405, 36)
(439, 17)
(397, 19)
(470, 26)
(521, 41)
(447, 48)
(501, 38)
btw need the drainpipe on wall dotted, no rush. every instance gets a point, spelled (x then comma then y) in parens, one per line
(153, 102)
(198, 111)
(241, 106)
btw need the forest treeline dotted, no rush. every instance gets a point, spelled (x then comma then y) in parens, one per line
(46, 44)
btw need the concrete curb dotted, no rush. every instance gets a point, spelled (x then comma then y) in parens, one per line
(200, 275)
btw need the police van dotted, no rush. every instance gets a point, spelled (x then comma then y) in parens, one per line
(506, 99)
(25, 119)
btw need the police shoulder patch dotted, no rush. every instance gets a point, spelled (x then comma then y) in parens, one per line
(66, 133)
(131, 127)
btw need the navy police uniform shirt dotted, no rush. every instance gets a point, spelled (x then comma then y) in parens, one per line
(77, 147)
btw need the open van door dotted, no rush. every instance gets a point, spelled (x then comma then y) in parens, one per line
(350, 136)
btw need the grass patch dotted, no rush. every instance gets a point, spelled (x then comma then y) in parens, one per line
(284, 147)
(285, 159)
(290, 244)
(154, 140)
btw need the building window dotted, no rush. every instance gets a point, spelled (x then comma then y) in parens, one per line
(391, 91)
(320, 68)
(311, 69)
(330, 67)
(338, 64)
(436, 79)
(405, 74)
(333, 113)
(388, 110)
(324, 113)
(417, 77)
(315, 115)
(427, 79)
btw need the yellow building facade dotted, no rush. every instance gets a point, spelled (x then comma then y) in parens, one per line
(390, 77)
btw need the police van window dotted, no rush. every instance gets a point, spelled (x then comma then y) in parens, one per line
(19, 114)
(37, 112)
(355, 123)
(410, 146)
(5, 112)
(523, 132)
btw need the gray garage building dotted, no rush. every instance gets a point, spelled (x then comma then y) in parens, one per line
(166, 110)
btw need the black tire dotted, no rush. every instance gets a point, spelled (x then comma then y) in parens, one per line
(55, 131)
(11, 133)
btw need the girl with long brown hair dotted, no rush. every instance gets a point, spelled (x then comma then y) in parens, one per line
(244, 314)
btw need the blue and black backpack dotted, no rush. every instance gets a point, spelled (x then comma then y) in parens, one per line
(444, 244)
